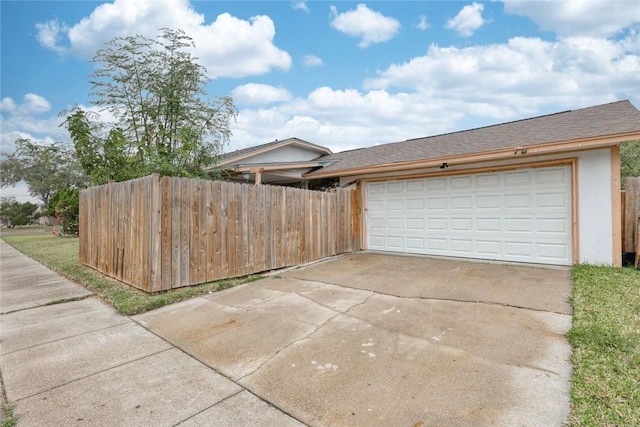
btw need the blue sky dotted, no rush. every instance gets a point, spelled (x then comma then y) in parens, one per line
(339, 74)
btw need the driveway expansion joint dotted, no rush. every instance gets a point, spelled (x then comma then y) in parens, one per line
(110, 368)
(68, 337)
(420, 297)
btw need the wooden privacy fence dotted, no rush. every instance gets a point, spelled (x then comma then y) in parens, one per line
(161, 233)
(631, 216)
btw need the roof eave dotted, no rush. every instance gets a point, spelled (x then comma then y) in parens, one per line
(502, 154)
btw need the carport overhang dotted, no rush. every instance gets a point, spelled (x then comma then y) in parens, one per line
(280, 172)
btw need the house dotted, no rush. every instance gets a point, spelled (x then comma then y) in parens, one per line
(542, 190)
(278, 162)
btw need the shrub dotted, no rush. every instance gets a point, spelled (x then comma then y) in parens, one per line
(65, 206)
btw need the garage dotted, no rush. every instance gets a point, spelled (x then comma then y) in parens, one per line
(522, 215)
(542, 190)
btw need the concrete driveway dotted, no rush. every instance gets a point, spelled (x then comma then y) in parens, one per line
(376, 340)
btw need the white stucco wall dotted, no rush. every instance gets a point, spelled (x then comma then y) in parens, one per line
(595, 209)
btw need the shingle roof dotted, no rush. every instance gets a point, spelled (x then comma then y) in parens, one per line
(604, 120)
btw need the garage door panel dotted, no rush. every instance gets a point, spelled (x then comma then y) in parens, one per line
(553, 225)
(552, 200)
(491, 248)
(436, 224)
(435, 184)
(462, 246)
(461, 224)
(488, 224)
(415, 186)
(415, 224)
(519, 249)
(522, 215)
(550, 251)
(415, 243)
(395, 187)
(461, 202)
(489, 181)
(488, 202)
(415, 204)
(395, 204)
(519, 178)
(518, 225)
(437, 245)
(395, 224)
(436, 203)
(552, 175)
(518, 201)
(395, 242)
(461, 182)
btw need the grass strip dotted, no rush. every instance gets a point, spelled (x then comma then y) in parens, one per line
(605, 337)
(61, 254)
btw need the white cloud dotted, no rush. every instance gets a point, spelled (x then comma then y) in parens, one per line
(600, 18)
(227, 47)
(523, 76)
(259, 94)
(34, 104)
(300, 5)
(453, 88)
(49, 34)
(468, 20)
(7, 104)
(231, 47)
(345, 119)
(28, 120)
(31, 104)
(312, 61)
(423, 24)
(370, 26)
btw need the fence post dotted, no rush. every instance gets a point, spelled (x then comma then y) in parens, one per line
(155, 235)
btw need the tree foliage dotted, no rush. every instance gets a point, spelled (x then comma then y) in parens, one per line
(629, 160)
(65, 206)
(45, 168)
(164, 120)
(14, 213)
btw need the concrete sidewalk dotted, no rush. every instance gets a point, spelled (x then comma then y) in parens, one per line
(80, 362)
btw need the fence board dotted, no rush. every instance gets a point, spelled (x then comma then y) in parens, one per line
(162, 233)
(631, 211)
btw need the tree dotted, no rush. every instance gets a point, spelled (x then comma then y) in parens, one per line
(165, 122)
(629, 160)
(45, 168)
(14, 213)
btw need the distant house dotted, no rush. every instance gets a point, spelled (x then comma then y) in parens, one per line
(279, 162)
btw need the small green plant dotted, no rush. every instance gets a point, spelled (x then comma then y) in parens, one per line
(10, 418)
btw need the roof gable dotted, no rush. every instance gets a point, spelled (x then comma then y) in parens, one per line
(268, 149)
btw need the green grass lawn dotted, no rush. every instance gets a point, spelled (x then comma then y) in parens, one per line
(605, 337)
(61, 254)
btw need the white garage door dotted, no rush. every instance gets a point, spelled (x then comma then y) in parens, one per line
(522, 215)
